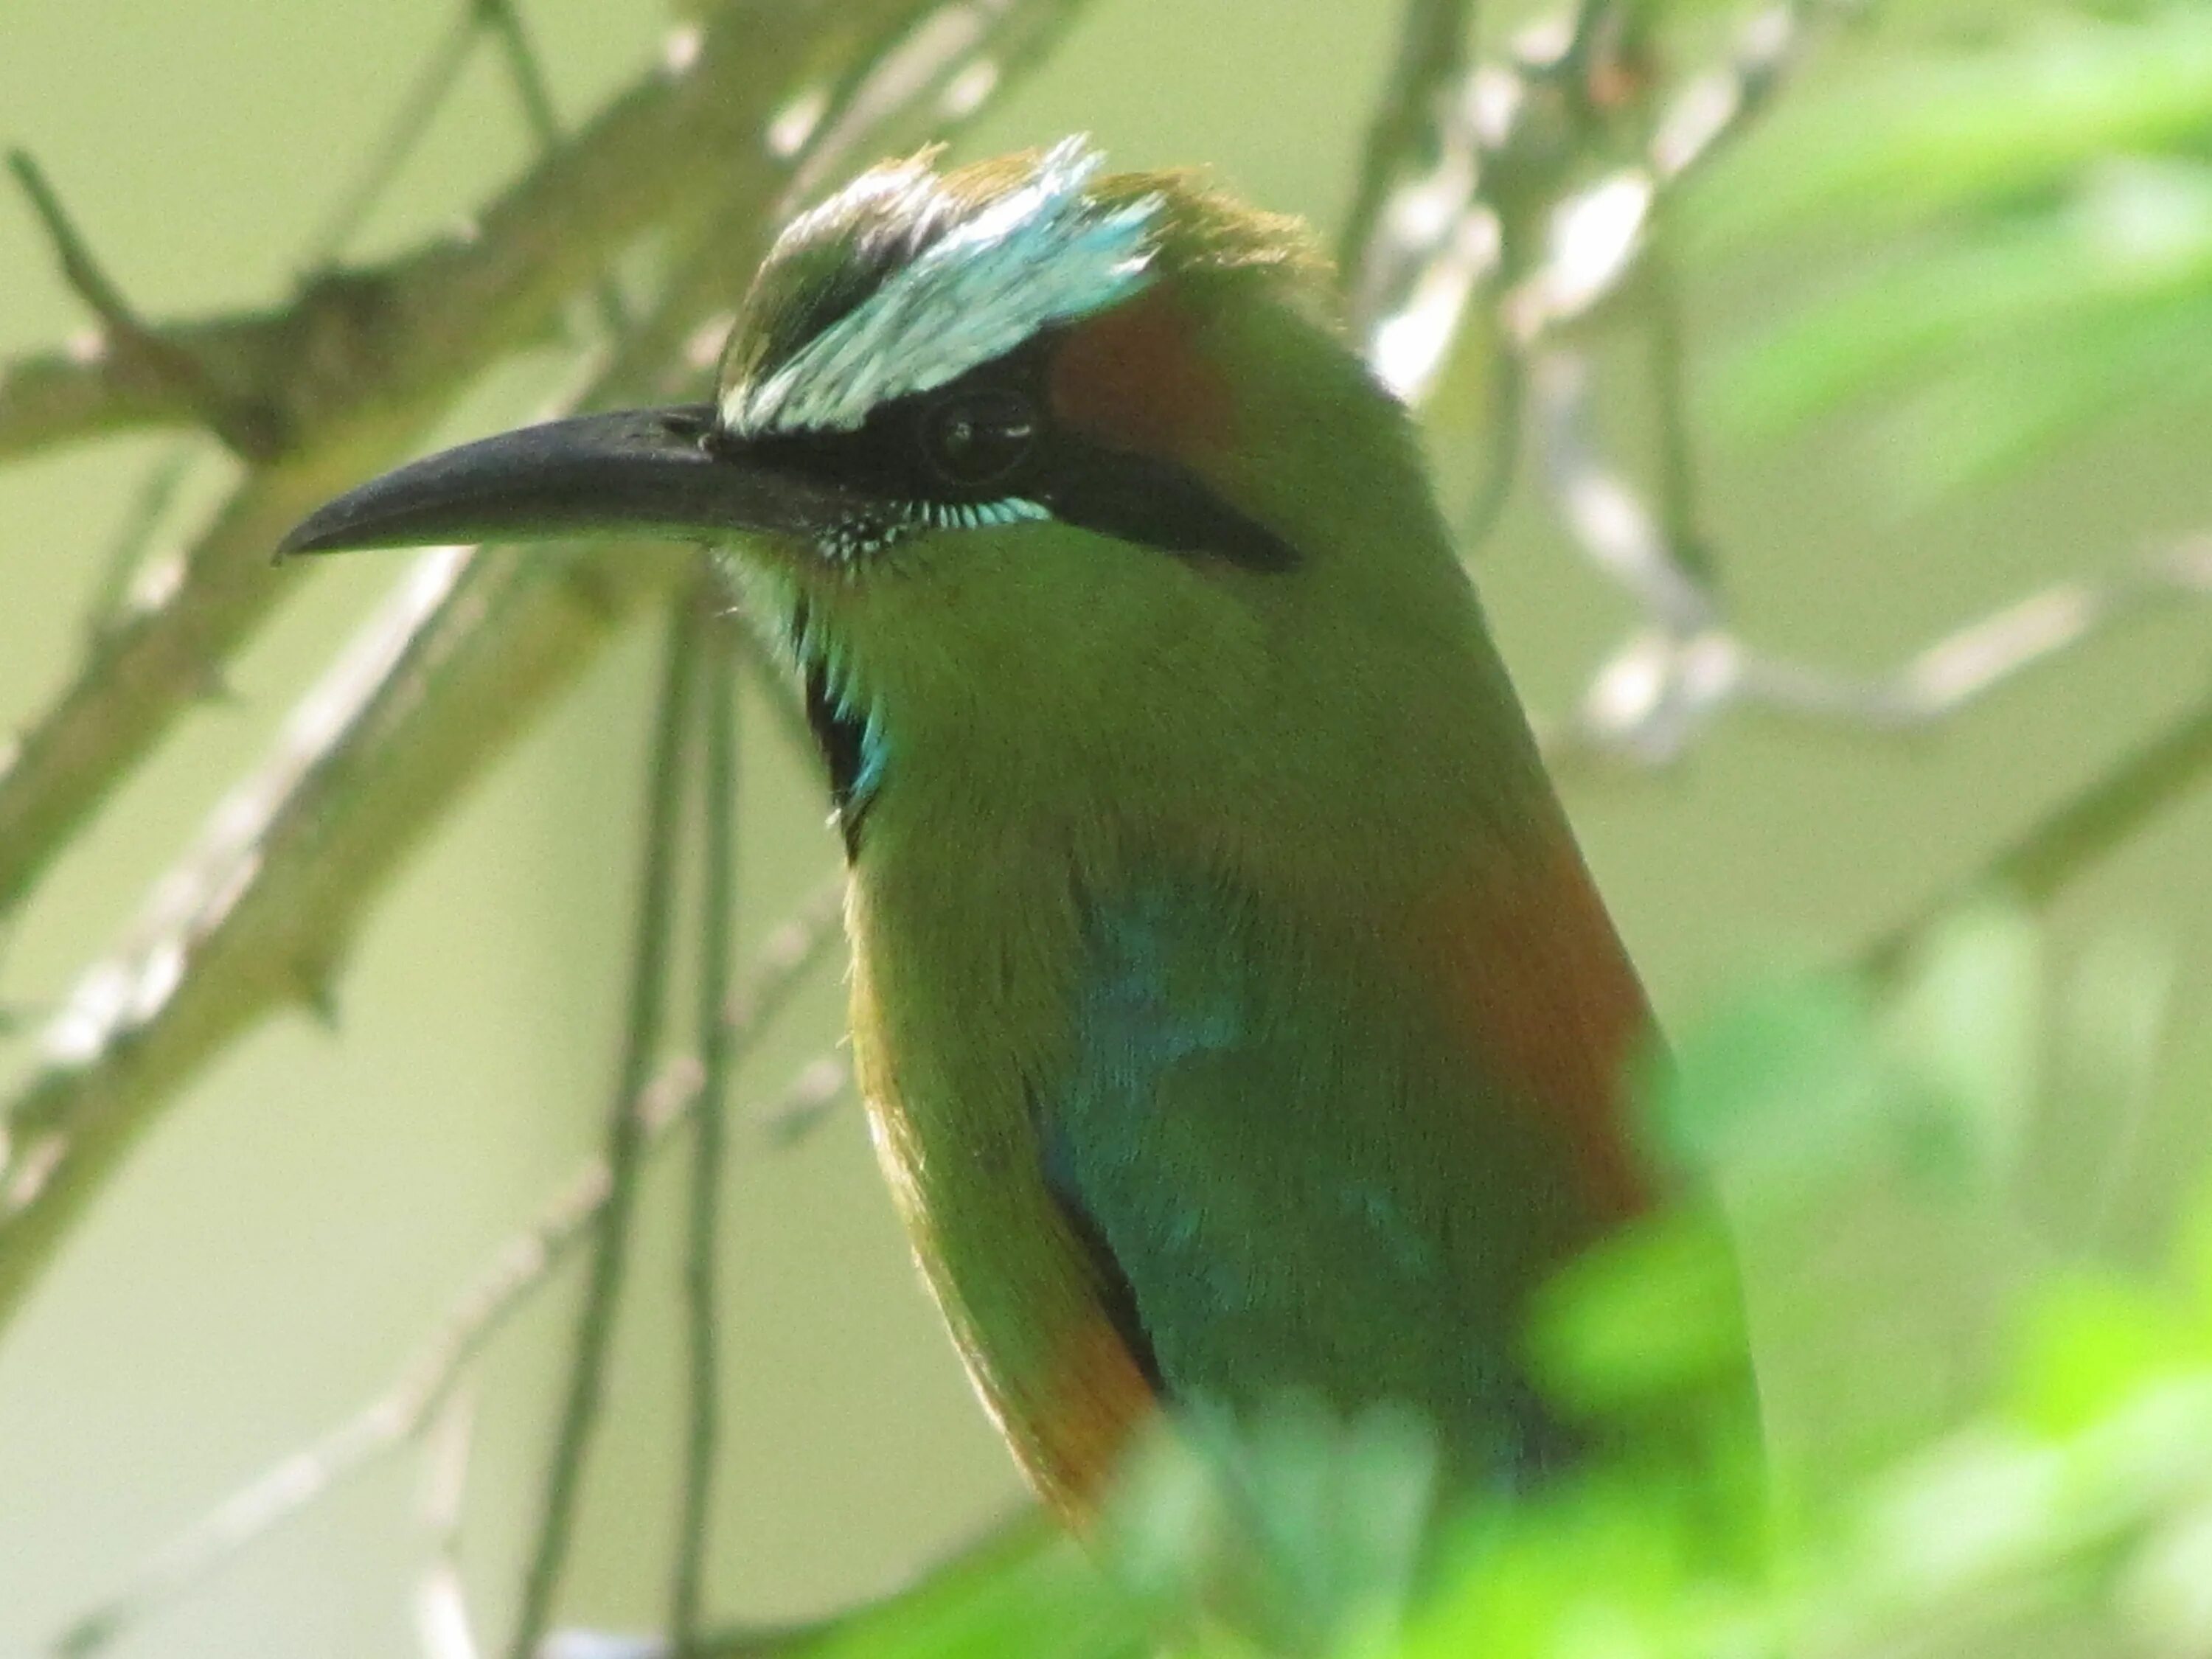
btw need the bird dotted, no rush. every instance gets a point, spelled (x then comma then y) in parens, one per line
(1235, 1013)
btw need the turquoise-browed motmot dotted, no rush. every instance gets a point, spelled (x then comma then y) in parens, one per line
(1233, 1009)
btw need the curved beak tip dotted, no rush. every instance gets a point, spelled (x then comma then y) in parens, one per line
(323, 530)
(631, 471)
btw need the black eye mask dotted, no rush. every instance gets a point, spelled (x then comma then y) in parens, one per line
(989, 436)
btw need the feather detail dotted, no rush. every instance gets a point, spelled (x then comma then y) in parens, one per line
(1035, 256)
(1233, 1011)
(1038, 1313)
(1533, 977)
(1136, 378)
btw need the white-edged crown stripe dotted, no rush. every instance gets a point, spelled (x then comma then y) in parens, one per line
(1042, 254)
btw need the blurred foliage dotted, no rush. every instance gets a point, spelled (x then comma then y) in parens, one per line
(2066, 1508)
(2041, 198)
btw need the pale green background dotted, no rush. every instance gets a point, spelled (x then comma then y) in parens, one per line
(279, 1245)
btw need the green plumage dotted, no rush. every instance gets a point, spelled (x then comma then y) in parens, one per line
(1233, 1009)
(1146, 910)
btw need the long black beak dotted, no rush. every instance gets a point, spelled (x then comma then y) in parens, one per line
(650, 471)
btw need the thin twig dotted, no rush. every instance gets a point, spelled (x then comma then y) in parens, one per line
(650, 973)
(80, 266)
(361, 361)
(949, 62)
(719, 852)
(1406, 136)
(1661, 690)
(1434, 247)
(1680, 517)
(398, 1414)
(1685, 666)
(526, 74)
(423, 98)
(774, 687)
(443, 1623)
(150, 505)
(256, 917)
(2064, 843)
(993, 1595)
(253, 429)
(1600, 506)
(1716, 107)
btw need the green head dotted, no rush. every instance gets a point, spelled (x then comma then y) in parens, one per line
(1059, 485)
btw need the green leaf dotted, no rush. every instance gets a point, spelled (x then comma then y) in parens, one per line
(1999, 413)
(2193, 1254)
(2091, 1341)
(1612, 1573)
(1776, 1085)
(2035, 323)
(1964, 1025)
(1030, 1593)
(2113, 1021)
(1905, 144)
(1290, 1525)
(1647, 1317)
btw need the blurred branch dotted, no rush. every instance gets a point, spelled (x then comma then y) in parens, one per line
(257, 915)
(1656, 693)
(1501, 215)
(1651, 699)
(1020, 1579)
(1717, 105)
(1681, 512)
(1408, 134)
(653, 968)
(443, 1623)
(362, 360)
(2039, 865)
(526, 74)
(1506, 213)
(507, 1283)
(469, 648)
(1596, 234)
(1602, 508)
(702, 1300)
(2066, 842)
(149, 507)
(243, 425)
(405, 129)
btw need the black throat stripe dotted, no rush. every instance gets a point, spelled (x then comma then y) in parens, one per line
(841, 739)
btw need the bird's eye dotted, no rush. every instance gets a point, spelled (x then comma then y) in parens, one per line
(980, 438)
